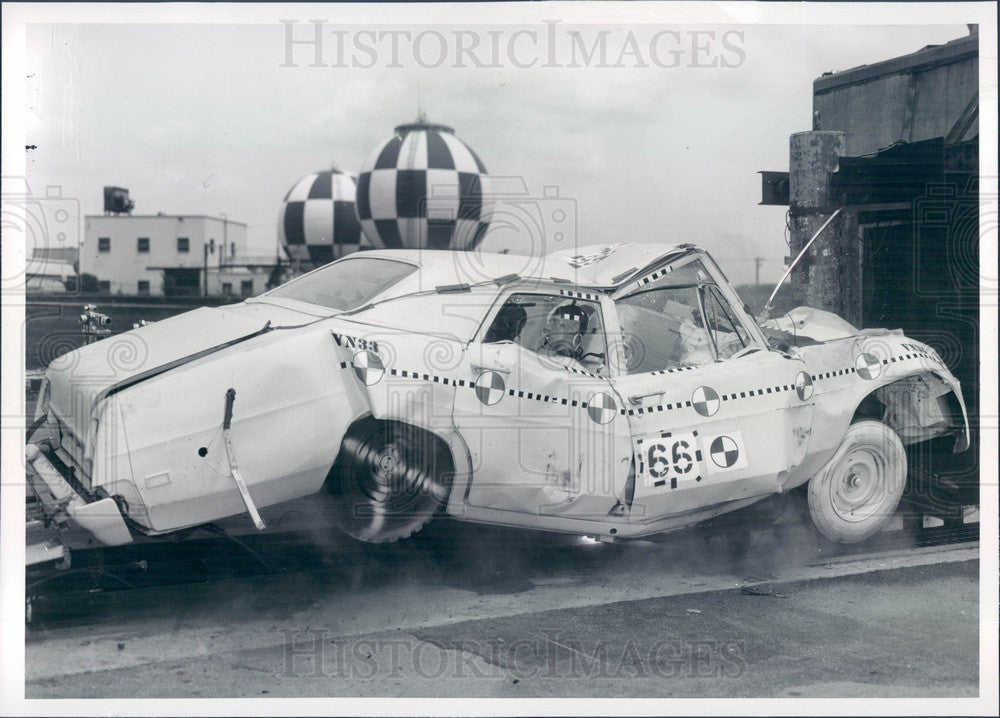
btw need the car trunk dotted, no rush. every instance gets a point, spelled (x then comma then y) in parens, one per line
(78, 378)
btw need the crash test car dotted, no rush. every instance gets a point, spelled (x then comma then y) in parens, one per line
(612, 391)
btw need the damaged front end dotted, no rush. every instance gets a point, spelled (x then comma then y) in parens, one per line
(924, 407)
(806, 326)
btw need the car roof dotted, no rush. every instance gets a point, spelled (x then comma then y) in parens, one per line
(597, 266)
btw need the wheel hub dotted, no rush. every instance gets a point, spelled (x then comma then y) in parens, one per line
(388, 484)
(857, 492)
(386, 461)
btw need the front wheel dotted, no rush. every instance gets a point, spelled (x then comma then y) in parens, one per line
(857, 492)
(389, 479)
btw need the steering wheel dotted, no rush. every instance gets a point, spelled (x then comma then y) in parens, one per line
(563, 348)
(632, 351)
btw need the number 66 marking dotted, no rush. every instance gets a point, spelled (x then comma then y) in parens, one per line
(679, 458)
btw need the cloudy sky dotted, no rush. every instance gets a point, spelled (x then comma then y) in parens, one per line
(650, 144)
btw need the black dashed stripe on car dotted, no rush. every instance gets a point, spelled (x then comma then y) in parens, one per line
(572, 293)
(639, 411)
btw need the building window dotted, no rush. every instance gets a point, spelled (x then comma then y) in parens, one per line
(246, 287)
(227, 289)
(104, 244)
(232, 249)
(143, 288)
(142, 244)
(104, 287)
(183, 244)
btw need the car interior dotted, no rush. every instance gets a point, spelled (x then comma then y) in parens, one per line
(523, 320)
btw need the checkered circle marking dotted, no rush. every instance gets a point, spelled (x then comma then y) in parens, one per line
(705, 400)
(724, 451)
(602, 408)
(490, 387)
(368, 366)
(868, 366)
(804, 386)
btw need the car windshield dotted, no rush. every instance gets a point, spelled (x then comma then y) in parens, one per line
(346, 284)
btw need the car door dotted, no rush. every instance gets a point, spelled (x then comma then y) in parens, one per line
(714, 415)
(547, 433)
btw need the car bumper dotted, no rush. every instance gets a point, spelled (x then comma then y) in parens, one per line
(102, 519)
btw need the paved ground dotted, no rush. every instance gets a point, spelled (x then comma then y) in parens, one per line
(631, 621)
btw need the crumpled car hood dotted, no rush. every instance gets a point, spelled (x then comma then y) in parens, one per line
(805, 326)
(77, 378)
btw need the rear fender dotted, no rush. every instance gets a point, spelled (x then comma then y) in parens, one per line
(159, 443)
(406, 377)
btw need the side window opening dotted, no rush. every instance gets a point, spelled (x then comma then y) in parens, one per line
(662, 329)
(507, 326)
(682, 319)
(569, 332)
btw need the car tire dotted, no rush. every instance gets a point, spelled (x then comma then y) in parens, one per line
(857, 492)
(389, 479)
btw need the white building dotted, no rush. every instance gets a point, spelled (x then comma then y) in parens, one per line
(161, 254)
(47, 275)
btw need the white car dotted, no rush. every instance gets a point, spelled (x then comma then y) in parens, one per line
(613, 391)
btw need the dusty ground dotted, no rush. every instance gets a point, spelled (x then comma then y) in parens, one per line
(630, 621)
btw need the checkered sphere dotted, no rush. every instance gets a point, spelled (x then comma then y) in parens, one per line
(422, 188)
(317, 223)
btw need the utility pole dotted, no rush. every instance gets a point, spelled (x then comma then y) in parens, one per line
(207, 249)
(225, 239)
(829, 271)
(756, 270)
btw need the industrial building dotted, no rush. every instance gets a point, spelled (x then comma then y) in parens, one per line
(895, 148)
(169, 255)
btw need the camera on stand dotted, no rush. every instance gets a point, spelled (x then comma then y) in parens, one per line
(94, 323)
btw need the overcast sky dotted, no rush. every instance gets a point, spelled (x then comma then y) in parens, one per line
(203, 119)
